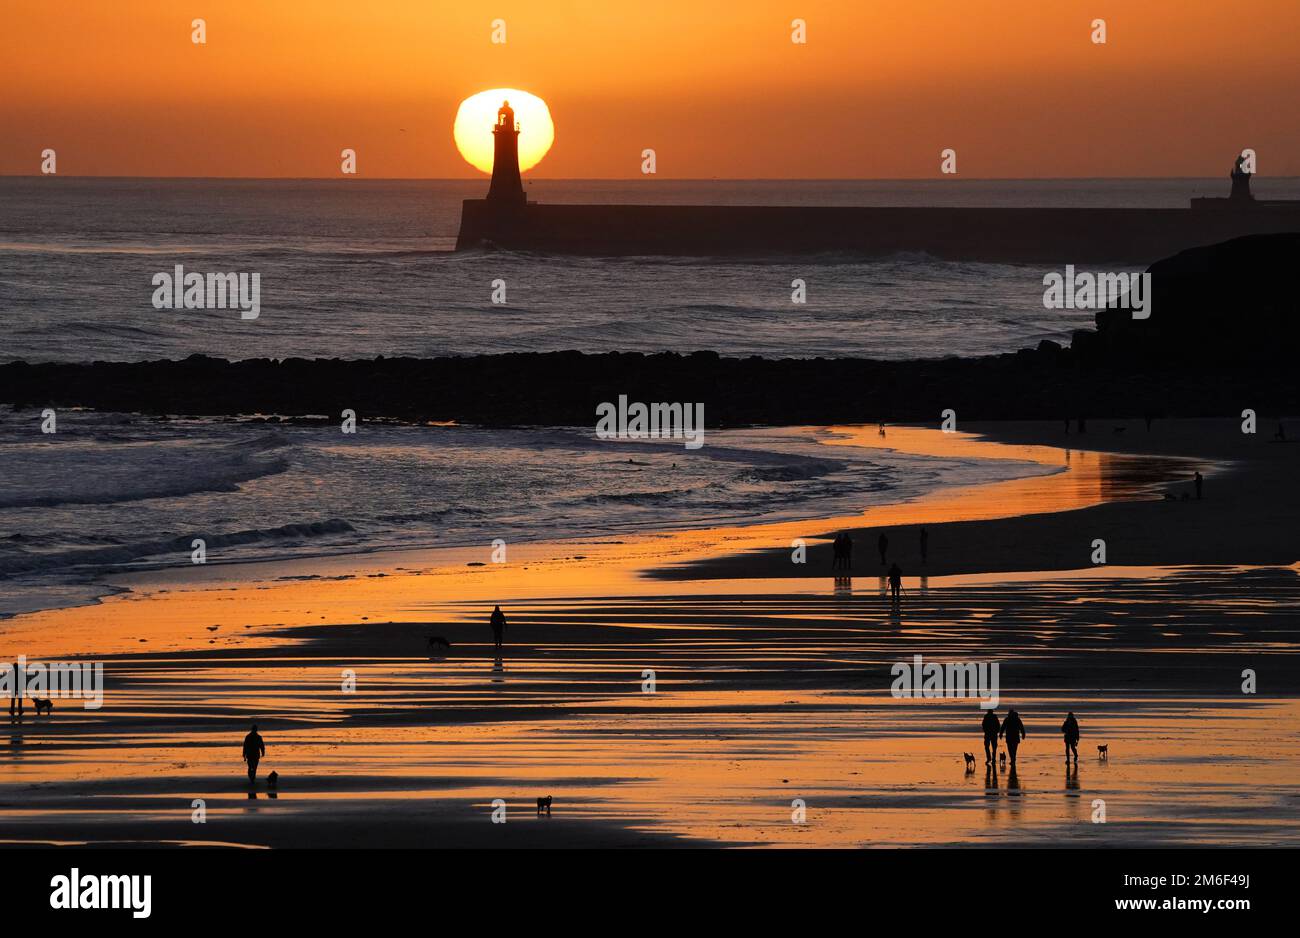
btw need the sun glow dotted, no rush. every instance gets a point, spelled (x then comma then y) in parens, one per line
(477, 115)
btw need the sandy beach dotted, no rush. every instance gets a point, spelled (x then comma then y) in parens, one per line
(771, 678)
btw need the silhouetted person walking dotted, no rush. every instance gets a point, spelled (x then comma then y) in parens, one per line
(1240, 191)
(882, 544)
(498, 623)
(1013, 731)
(991, 728)
(1070, 729)
(925, 545)
(1198, 479)
(254, 749)
(848, 552)
(895, 583)
(18, 681)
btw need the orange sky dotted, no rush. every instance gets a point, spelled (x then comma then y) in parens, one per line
(116, 87)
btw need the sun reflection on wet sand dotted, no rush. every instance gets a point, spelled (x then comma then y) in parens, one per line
(871, 772)
(767, 691)
(173, 609)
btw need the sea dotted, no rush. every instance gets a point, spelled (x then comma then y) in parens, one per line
(358, 268)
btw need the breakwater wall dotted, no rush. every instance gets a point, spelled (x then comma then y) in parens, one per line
(1010, 235)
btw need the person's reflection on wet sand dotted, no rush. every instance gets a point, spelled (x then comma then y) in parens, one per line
(1016, 802)
(498, 671)
(992, 794)
(1074, 804)
(844, 584)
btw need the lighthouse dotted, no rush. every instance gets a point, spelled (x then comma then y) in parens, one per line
(507, 189)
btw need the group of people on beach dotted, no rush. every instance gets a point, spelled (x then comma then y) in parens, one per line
(842, 550)
(1012, 730)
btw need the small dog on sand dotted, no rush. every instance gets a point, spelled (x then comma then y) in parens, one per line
(970, 762)
(1002, 760)
(46, 705)
(1103, 752)
(273, 779)
(438, 645)
(544, 804)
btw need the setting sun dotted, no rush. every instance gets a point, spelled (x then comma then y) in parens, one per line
(478, 114)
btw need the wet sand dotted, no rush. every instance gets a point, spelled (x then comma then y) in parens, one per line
(1114, 491)
(770, 687)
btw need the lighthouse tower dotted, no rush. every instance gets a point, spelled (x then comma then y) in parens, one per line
(507, 189)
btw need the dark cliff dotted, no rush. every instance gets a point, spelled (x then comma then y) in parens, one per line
(1229, 305)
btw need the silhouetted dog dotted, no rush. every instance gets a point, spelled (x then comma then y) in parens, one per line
(46, 705)
(1103, 752)
(438, 645)
(1002, 759)
(970, 762)
(544, 804)
(273, 779)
